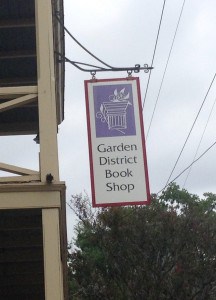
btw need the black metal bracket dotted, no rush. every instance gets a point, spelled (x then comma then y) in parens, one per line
(136, 69)
(94, 69)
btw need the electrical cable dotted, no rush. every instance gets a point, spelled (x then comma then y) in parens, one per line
(182, 172)
(189, 171)
(165, 69)
(159, 27)
(191, 129)
(78, 43)
(187, 167)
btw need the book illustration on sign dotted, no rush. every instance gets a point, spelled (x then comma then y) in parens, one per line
(114, 111)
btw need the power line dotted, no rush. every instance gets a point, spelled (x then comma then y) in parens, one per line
(187, 167)
(194, 161)
(189, 171)
(154, 53)
(165, 69)
(78, 43)
(190, 130)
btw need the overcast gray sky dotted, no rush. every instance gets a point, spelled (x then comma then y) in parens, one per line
(123, 33)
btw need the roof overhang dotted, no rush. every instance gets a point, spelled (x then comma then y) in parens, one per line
(18, 61)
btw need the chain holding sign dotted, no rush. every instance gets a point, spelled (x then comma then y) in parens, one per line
(118, 163)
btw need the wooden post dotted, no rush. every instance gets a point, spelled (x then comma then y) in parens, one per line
(52, 256)
(46, 90)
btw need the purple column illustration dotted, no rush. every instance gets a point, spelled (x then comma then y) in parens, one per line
(114, 110)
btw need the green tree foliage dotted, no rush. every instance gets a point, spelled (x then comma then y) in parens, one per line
(163, 251)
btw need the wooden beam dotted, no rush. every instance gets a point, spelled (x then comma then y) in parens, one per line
(21, 128)
(17, 54)
(36, 199)
(27, 178)
(46, 90)
(17, 170)
(34, 187)
(17, 23)
(52, 255)
(18, 90)
(18, 81)
(18, 102)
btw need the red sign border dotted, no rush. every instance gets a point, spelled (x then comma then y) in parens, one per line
(144, 202)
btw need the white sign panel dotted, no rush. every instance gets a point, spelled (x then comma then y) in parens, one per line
(117, 153)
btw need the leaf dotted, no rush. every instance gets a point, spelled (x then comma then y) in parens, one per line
(127, 96)
(122, 91)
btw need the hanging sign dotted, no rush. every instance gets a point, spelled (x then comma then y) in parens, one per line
(117, 153)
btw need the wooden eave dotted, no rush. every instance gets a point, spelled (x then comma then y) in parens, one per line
(18, 60)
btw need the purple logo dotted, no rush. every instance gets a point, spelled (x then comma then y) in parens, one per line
(114, 111)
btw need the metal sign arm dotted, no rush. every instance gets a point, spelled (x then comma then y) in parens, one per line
(136, 69)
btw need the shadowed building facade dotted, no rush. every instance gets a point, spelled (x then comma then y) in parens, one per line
(33, 243)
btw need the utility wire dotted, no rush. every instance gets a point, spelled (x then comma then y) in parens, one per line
(78, 43)
(187, 167)
(182, 172)
(165, 70)
(190, 130)
(189, 171)
(146, 91)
